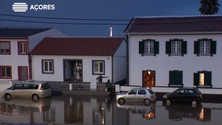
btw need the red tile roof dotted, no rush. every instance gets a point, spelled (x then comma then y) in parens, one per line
(92, 46)
(175, 24)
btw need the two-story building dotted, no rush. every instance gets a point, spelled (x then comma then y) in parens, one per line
(15, 44)
(173, 51)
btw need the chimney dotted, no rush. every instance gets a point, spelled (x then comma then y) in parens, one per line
(111, 31)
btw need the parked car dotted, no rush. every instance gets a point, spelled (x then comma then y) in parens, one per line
(184, 94)
(179, 111)
(28, 89)
(137, 95)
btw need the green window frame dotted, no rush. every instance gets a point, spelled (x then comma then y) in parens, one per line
(175, 78)
(198, 48)
(183, 47)
(197, 79)
(152, 46)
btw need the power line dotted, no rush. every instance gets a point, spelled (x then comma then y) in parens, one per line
(63, 22)
(65, 18)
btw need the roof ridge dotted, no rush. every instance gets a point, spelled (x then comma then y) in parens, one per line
(50, 36)
(26, 27)
(179, 16)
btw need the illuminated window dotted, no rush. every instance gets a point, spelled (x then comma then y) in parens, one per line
(201, 78)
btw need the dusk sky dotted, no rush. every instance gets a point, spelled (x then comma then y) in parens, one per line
(95, 9)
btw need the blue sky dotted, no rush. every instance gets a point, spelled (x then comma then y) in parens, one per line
(96, 9)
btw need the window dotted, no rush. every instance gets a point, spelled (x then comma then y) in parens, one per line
(203, 78)
(189, 92)
(5, 72)
(141, 92)
(22, 47)
(179, 92)
(132, 92)
(149, 47)
(48, 66)
(205, 47)
(98, 67)
(176, 47)
(18, 86)
(30, 86)
(175, 78)
(5, 47)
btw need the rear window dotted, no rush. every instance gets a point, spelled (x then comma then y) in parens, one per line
(198, 91)
(151, 91)
(45, 86)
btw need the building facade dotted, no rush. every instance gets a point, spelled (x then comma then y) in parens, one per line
(174, 51)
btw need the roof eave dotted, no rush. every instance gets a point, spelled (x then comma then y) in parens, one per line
(13, 37)
(34, 54)
(170, 33)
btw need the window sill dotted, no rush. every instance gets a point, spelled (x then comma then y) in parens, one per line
(205, 54)
(47, 72)
(169, 85)
(148, 54)
(5, 77)
(202, 86)
(98, 73)
(176, 54)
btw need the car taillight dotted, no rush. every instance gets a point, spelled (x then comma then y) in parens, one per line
(151, 96)
(198, 95)
(41, 88)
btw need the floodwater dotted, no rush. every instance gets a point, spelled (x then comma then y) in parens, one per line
(62, 110)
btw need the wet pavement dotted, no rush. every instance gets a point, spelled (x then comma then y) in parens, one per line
(77, 110)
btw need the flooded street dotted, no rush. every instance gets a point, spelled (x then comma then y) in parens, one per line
(60, 110)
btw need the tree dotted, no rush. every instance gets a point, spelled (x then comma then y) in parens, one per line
(209, 7)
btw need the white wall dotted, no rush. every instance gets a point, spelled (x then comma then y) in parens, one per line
(58, 67)
(67, 69)
(36, 38)
(14, 60)
(119, 63)
(162, 63)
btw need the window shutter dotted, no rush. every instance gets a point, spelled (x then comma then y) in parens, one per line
(172, 77)
(156, 47)
(179, 77)
(213, 47)
(141, 47)
(184, 47)
(168, 47)
(196, 47)
(207, 78)
(196, 79)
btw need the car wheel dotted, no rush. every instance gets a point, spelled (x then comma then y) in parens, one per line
(35, 97)
(146, 102)
(168, 102)
(8, 97)
(121, 101)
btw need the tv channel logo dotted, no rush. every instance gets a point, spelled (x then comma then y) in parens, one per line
(20, 7)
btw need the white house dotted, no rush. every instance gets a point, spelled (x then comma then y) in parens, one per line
(168, 52)
(15, 44)
(55, 57)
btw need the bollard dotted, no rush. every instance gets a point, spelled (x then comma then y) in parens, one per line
(70, 86)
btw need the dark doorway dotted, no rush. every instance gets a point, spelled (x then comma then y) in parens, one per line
(148, 78)
(73, 70)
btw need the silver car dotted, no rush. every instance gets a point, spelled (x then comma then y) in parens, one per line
(144, 95)
(28, 89)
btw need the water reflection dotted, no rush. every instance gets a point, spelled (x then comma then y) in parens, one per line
(102, 111)
(140, 109)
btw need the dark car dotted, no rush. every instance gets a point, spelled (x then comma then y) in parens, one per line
(184, 95)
